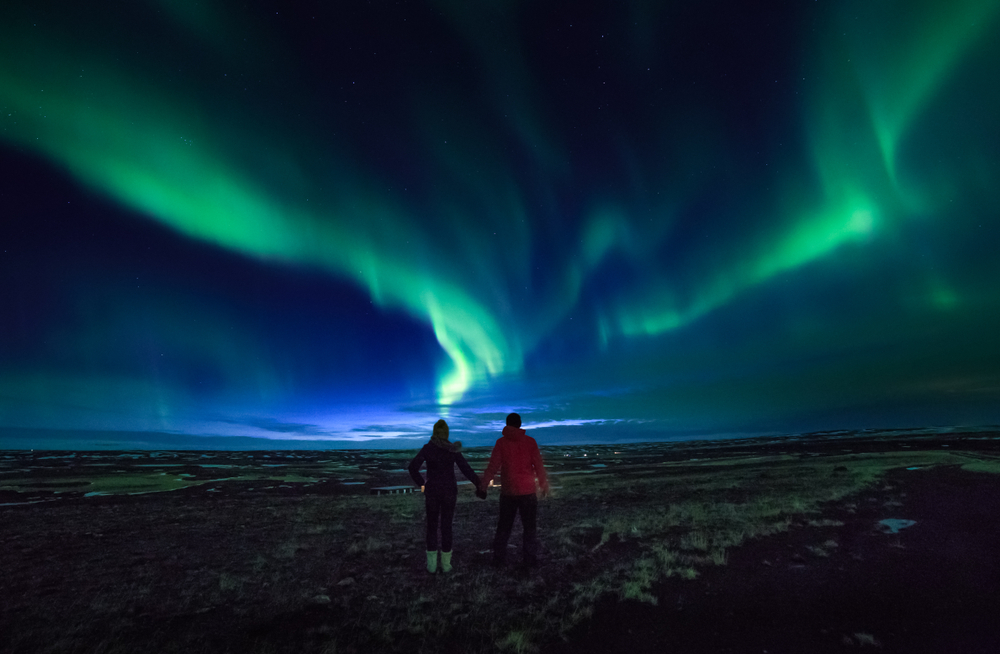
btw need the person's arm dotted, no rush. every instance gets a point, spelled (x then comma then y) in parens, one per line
(492, 468)
(466, 469)
(414, 468)
(539, 466)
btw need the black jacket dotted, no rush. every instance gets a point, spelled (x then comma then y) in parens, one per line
(440, 469)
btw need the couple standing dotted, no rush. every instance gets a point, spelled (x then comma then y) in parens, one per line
(515, 456)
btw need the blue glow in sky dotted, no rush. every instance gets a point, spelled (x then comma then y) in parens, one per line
(638, 221)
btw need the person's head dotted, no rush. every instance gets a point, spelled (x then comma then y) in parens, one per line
(513, 420)
(440, 430)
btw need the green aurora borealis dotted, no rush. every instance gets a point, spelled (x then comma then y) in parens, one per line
(649, 219)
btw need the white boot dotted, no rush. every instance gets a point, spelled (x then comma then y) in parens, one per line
(445, 561)
(432, 561)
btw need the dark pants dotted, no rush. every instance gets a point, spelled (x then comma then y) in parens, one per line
(440, 508)
(510, 505)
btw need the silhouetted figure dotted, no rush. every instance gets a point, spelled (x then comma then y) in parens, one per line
(440, 491)
(519, 462)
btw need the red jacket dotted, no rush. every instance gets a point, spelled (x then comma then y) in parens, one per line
(518, 460)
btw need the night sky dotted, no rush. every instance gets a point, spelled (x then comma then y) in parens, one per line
(339, 221)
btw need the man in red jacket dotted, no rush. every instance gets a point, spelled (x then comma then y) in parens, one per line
(519, 462)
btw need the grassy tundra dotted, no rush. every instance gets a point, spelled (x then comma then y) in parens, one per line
(255, 560)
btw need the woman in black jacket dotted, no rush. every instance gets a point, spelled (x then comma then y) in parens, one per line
(440, 491)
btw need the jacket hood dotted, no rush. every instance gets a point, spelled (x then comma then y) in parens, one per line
(514, 433)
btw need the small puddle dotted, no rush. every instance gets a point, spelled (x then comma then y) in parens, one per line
(893, 525)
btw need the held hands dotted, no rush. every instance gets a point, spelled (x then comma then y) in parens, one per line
(481, 494)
